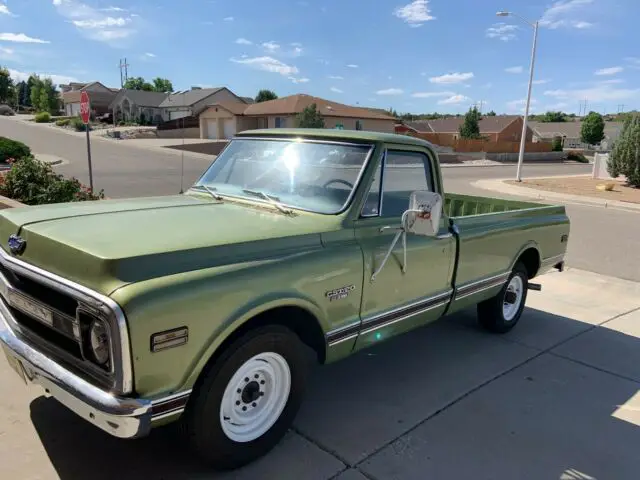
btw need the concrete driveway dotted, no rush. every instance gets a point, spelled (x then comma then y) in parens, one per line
(558, 398)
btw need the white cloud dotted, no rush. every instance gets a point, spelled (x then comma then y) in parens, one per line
(518, 69)
(596, 94)
(271, 46)
(295, 44)
(432, 94)
(611, 81)
(299, 80)
(520, 105)
(336, 90)
(268, 64)
(554, 107)
(390, 91)
(335, 77)
(563, 14)
(541, 81)
(634, 62)
(452, 78)
(150, 55)
(352, 65)
(6, 53)
(297, 50)
(102, 23)
(415, 13)
(56, 79)
(609, 71)
(20, 38)
(454, 99)
(95, 24)
(4, 10)
(502, 31)
(228, 19)
(244, 41)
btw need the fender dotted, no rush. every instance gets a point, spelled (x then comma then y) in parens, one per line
(241, 317)
(530, 244)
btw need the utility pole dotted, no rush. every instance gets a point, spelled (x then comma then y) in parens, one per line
(124, 75)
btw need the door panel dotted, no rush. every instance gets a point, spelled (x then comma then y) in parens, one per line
(396, 302)
(212, 129)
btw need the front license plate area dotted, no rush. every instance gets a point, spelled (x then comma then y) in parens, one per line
(31, 308)
(16, 365)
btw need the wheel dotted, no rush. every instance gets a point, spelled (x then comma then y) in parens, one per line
(502, 312)
(247, 400)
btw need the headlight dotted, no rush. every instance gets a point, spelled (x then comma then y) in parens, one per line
(99, 342)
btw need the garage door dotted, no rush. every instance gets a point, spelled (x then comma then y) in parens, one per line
(75, 109)
(212, 129)
(176, 115)
(229, 127)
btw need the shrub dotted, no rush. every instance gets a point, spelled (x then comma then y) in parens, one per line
(577, 157)
(12, 149)
(77, 123)
(63, 122)
(556, 145)
(6, 110)
(42, 117)
(34, 182)
(624, 159)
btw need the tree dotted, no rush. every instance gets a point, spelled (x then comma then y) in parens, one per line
(550, 117)
(491, 114)
(34, 95)
(23, 94)
(624, 159)
(265, 96)
(6, 86)
(556, 144)
(470, 127)
(310, 118)
(162, 85)
(592, 130)
(44, 97)
(138, 83)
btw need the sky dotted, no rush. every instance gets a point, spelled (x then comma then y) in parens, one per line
(413, 56)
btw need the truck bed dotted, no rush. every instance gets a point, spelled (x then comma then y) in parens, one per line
(465, 205)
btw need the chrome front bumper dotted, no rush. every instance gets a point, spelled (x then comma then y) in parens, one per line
(118, 416)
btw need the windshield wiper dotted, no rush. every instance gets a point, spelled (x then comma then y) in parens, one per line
(269, 198)
(210, 191)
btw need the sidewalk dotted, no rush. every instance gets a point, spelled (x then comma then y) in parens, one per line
(500, 186)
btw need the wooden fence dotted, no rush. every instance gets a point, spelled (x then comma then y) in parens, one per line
(468, 146)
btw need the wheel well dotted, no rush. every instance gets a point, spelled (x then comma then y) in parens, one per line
(530, 258)
(304, 324)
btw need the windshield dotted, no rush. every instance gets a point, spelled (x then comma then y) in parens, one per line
(319, 177)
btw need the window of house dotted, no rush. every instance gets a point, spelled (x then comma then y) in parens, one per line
(404, 172)
(281, 122)
(358, 124)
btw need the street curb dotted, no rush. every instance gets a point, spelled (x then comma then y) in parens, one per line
(9, 202)
(499, 185)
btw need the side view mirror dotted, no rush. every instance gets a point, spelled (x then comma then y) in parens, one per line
(422, 218)
(424, 213)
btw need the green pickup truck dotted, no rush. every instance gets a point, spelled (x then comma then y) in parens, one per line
(295, 247)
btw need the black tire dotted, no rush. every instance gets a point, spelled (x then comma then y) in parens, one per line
(491, 313)
(202, 418)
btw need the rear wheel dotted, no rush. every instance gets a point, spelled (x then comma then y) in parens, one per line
(247, 400)
(502, 312)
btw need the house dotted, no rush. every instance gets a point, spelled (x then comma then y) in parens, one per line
(224, 119)
(570, 134)
(100, 97)
(139, 106)
(498, 128)
(192, 102)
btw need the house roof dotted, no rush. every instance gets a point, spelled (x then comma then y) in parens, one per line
(571, 129)
(247, 100)
(420, 126)
(295, 104)
(189, 98)
(237, 108)
(102, 98)
(494, 124)
(140, 98)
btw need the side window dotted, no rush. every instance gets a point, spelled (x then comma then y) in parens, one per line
(404, 172)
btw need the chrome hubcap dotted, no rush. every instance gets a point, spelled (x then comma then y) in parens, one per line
(512, 298)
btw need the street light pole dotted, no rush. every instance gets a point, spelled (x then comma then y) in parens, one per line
(523, 139)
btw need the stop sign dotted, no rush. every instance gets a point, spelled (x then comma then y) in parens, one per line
(85, 108)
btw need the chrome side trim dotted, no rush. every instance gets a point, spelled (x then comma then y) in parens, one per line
(403, 317)
(408, 310)
(122, 345)
(344, 339)
(552, 260)
(481, 285)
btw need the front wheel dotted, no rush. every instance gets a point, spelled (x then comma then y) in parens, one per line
(247, 400)
(502, 312)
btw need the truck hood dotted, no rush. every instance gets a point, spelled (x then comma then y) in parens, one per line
(106, 244)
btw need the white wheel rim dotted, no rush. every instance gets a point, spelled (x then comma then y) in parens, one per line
(512, 298)
(255, 397)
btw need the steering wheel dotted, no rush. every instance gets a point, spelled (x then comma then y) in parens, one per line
(339, 180)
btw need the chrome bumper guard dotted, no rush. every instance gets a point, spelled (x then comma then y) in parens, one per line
(119, 416)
